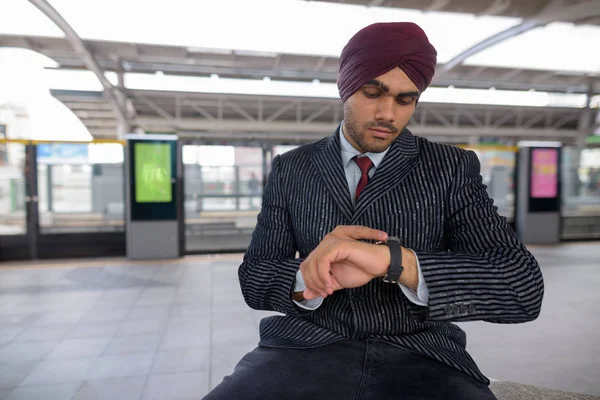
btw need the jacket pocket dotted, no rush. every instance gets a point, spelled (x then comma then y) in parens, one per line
(421, 228)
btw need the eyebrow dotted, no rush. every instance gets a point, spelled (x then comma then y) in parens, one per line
(386, 89)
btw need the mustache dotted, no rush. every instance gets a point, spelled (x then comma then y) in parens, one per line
(386, 126)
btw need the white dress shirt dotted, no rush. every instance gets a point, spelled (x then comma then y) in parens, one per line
(353, 174)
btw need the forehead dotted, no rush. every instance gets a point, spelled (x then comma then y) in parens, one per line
(397, 81)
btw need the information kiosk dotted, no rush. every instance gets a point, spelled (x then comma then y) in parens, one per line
(151, 186)
(537, 191)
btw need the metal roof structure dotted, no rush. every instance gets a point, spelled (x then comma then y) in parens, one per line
(119, 109)
(526, 9)
(149, 58)
(297, 120)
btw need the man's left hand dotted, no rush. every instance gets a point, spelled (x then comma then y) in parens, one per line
(351, 264)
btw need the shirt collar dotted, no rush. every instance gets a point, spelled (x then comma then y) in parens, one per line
(348, 151)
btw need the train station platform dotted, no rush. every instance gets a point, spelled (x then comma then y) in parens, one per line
(118, 329)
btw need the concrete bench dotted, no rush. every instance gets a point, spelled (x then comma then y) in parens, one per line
(520, 391)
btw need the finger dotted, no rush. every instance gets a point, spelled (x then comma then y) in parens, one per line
(324, 273)
(310, 273)
(311, 277)
(336, 284)
(359, 232)
(309, 294)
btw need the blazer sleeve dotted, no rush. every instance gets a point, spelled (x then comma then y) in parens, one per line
(268, 271)
(486, 272)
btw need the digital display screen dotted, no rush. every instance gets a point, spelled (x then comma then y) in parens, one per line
(544, 173)
(153, 173)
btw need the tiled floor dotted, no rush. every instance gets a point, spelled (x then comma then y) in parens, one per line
(111, 329)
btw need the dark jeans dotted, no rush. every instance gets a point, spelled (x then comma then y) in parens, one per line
(345, 370)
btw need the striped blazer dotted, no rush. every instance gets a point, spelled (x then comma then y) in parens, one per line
(431, 196)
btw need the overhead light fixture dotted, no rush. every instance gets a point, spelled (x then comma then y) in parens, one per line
(316, 81)
(159, 73)
(534, 143)
(253, 53)
(207, 50)
(266, 79)
(214, 76)
(492, 88)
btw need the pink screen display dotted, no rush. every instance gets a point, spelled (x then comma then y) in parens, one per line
(544, 173)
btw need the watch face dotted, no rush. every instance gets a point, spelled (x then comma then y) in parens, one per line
(389, 239)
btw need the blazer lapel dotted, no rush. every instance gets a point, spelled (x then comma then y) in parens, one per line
(397, 163)
(328, 161)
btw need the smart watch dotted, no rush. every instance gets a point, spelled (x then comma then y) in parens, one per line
(395, 269)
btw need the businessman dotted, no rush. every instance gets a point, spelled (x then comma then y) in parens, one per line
(397, 238)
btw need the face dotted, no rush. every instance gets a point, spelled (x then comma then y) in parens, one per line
(377, 113)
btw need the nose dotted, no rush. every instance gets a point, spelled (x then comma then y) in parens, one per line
(385, 110)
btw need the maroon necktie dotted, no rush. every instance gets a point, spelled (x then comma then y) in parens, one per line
(365, 164)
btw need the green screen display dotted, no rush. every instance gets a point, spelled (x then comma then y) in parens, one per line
(153, 173)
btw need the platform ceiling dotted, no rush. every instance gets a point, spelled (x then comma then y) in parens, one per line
(126, 57)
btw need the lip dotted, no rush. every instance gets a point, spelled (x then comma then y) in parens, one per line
(380, 133)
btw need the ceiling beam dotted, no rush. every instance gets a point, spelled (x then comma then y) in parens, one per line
(487, 43)
(320, 63)
(554, 11)
(110, 52)
(115, 95)
(284, 129)
(282, 110)
(316, 114)
(201, 111)
(240, 111)
(437, 5)
(155, 107)
(497, 7)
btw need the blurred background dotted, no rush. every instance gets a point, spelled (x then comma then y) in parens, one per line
(237, 91)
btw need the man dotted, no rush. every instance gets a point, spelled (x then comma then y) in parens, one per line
(253, 188)
(371, 320)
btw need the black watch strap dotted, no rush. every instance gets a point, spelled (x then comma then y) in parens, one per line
(395, 269)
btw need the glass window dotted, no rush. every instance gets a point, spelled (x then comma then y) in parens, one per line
(223, 190)
(13, 220)
(581, 181)
(83, 192)
(497, 172)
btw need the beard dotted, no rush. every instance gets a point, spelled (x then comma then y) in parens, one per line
(358, 135)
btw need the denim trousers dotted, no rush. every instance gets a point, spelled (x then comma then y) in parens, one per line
(346, 370)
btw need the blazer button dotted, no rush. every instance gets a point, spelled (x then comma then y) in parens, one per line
(455, 309)
(448, 310)
(472, 308)
(463, 309)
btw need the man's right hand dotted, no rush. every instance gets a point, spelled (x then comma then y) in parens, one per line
(316, 268)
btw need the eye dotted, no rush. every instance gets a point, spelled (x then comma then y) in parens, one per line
(372, 92)
(405, 100)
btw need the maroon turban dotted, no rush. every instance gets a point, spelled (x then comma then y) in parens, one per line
(380, 47)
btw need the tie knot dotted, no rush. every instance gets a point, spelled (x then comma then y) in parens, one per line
(364, 163)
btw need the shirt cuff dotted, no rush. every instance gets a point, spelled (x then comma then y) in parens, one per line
(300, 286)
(421, 297)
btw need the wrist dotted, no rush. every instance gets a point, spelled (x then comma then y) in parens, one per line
(384, 257)
(410, 275)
